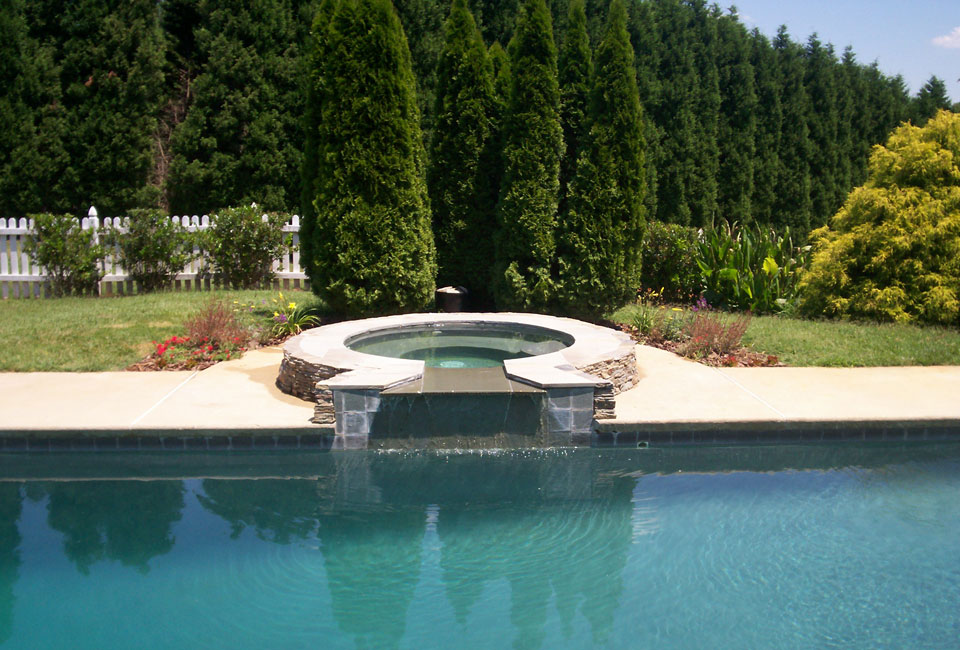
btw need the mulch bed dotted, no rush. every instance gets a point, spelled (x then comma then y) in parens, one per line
(742, 357)
(149, 363)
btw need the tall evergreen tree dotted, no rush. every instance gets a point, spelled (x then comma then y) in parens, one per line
(111, 58)
(675, 114)
(847, 82)
(737, 129)
(32, 157)
(599, 241)
(372, 246)
(931, 98)
(462, 202)
(573, 71)
(706, 110)
(647, 49)
(240, 139)
(312, 171)
(793, 179)
(493, 156)
(423, 23)
(533, 145)
(823, 122)
(766, 163)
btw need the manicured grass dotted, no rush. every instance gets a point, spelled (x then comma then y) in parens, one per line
(834, 343)
(798, 342)
(94, 334)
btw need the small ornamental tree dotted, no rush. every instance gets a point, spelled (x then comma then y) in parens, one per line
(462, 204)
(371, 249)
(242, 244)
(152, 248)
(533, 144)
(70, 255)
(599, 249)
(892, 252)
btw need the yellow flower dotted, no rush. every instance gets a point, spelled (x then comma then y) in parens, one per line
(292, 305)
(276, 313)
(676, 309)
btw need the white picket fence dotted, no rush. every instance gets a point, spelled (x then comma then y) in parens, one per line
(21, 278)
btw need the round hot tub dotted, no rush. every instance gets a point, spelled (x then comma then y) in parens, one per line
(378, 353)
(460, 345)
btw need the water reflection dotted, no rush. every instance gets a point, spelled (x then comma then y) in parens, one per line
(10, 507)
(278, 510)
(126, 521)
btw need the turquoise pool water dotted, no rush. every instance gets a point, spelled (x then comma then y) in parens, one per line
(802, 547)
(460, 345)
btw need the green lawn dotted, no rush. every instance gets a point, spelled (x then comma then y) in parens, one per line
(798, 342)
(93, 334)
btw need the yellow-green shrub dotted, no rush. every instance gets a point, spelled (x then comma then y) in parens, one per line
(892, 252)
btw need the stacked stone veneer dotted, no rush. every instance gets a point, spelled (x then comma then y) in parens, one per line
(620, 372)
(304, 376)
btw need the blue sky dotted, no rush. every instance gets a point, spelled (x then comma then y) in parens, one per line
(915, 39)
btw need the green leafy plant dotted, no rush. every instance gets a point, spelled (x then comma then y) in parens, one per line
(242, 244)
(70, 255)
(289, 319)
(670, 261)
(753, 268)
(152, 248)
(657, 324)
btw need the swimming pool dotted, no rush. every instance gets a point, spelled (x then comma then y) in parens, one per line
(822, 546)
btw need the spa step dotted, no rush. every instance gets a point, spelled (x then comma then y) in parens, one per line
(475, 381)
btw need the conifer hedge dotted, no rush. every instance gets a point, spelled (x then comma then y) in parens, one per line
(600, 237)
(459, 179)
(533, 144)
(371, 245)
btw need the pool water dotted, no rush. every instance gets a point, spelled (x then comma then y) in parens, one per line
(460, 345)
(815, 547)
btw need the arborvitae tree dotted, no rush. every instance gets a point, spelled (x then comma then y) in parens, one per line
(32, 158)
(312, 161)
(647, 50)
(423, 23)
(496, 18)
(793, 180)
(702, 196)
(823, 122)
(461, 200)
(931, 98)
(372, 247)
(533, 145)
(675, 114)
(573, 71)
(240, 139)
(766, 164)
(111, 76)
(737, 130)
(599, 241)
(847, 88)
(493, 156)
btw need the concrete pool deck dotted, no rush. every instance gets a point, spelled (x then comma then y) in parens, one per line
(673, 393)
